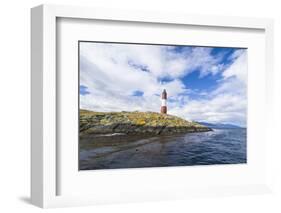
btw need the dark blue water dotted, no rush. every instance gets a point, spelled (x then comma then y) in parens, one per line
(221, 146)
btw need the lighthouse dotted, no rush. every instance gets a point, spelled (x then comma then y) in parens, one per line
(164, 102)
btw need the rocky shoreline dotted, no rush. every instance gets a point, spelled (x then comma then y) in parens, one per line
(135, 123)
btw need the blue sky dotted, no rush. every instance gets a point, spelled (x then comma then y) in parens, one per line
(203, 83)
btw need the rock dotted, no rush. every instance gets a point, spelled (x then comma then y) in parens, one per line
(135, 123)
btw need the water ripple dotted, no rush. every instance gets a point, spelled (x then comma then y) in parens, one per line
(222, 146)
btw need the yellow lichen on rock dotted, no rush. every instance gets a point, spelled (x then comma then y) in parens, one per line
(135, 123)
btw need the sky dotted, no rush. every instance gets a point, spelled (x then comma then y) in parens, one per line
(205, 84)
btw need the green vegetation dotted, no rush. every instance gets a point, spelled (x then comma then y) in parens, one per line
(135, 123)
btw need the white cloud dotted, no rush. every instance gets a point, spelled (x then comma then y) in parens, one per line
(113, 72)
(228, 103)
(239, 68)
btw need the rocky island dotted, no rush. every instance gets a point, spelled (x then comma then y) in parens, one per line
(135, 123)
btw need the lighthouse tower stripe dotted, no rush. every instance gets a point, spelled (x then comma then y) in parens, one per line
(164, 102)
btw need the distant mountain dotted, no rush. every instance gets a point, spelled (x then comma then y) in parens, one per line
(219, 125)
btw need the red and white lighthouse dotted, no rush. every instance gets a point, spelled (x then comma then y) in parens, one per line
(164, 102)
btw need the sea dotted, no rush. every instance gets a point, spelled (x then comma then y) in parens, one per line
(116, 151)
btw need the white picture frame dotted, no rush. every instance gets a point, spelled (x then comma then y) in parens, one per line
(44, 154)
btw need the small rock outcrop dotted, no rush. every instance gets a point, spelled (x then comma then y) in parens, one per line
(132, 123)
